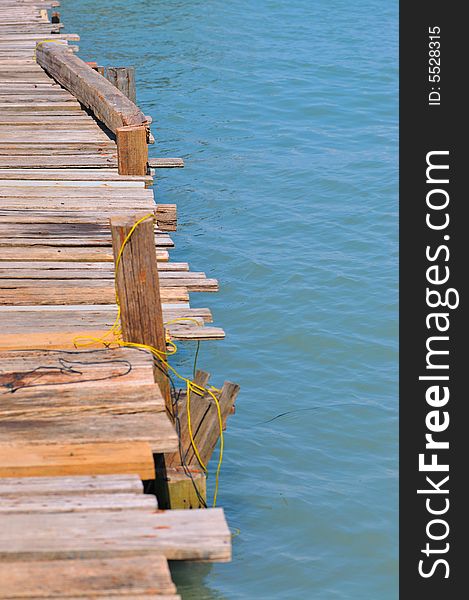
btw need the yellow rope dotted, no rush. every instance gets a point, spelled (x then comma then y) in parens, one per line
(162, 356)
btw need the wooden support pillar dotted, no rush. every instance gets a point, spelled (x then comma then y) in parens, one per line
(179, 487)
(55, 20)
(138, 289)
(123, 78)
(132, 150)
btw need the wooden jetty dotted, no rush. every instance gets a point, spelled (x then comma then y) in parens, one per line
(90, 305)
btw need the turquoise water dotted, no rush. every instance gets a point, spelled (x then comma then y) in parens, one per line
(286, 114)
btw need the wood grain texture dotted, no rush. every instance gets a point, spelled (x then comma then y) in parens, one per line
(145, 576)
(123, 78)
(24, 460)
(138, 289)
(57, 486)
(132, 150)
(177, 534)
(77, 503)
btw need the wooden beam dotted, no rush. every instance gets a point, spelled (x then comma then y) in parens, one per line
(132, 150)
(95, 92)
(138, 289)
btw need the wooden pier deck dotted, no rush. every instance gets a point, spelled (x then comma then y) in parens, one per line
(81, 427)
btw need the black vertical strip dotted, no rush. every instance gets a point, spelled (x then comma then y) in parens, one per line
(433, 271)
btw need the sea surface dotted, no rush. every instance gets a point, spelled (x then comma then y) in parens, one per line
(286, 116)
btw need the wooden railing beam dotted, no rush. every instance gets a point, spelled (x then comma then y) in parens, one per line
(90, 88)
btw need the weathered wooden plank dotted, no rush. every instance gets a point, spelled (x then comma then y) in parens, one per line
(69, 121)
(82, 429)
(166, 163)
(70, 253)
(25, 361)
(76, 212)
(109, 104)
(84, 367)
(23, 460)
(75, 385)
(37, 37)
(24, 319)
(76, 503)
(145, 576)
(172, 278)
(91, 240)
(59, 175)
(27, 396)
(58, 292)
(24, 190)
(56, 137)
(178, 534)
(104, 268)
(37, 106)
(57, 149)
(78, 295)
(63, 184)
(65, 162)
(56, 96)
(65, 339)
(89, 234)
(82, 485)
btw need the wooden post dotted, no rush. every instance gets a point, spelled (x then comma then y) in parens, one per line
(55, 21)
(123, 78)
(179, 487)
(94, 65)
(138, 289)
(132, 150)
